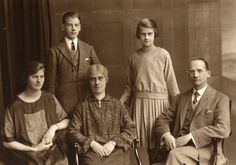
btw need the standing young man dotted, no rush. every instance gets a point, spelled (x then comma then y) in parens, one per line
(67, 64)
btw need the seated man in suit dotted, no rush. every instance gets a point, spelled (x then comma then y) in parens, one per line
(101, 125)
(197, 116)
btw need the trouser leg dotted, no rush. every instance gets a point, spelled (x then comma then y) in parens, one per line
(187, 155)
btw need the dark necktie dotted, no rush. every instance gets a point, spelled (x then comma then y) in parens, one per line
(72, 46)
(196, 95)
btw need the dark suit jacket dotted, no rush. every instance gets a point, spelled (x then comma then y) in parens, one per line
(66, 80)
(211, 120)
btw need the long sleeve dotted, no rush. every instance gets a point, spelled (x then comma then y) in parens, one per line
(76, 127)
(128, 130)
(127, 94)
(169, 75)
(101, 122)
(164, 122)
(94, 58)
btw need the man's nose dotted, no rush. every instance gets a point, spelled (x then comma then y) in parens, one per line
(196, 74)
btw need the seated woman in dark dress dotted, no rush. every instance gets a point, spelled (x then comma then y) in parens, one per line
(31, 123)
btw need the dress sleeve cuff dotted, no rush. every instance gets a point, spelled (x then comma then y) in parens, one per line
(87, 143)
(121, 143)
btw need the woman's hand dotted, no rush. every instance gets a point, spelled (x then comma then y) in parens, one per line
(42, 146)
(49, 135)
(109, 147)
(98, 148)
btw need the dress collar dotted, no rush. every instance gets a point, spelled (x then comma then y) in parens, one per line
(93, 98)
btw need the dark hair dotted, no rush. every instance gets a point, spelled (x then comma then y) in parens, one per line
(97, 68)
(32, 68)
(69, 14)
(203, 60)
(148, 23)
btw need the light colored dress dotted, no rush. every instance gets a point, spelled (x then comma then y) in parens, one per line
(150, 83)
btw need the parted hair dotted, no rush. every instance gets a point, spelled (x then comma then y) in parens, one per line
(97, 68)
(33, 67)
(147, 23)
(203, 60)
(70, 14)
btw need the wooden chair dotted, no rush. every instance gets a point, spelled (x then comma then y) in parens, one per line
(218, 143)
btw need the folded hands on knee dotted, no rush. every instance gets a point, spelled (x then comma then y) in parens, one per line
(103, 150)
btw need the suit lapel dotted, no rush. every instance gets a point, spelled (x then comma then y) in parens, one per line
(205, 100)
(184, 106)
(65, 52)
(83, 52)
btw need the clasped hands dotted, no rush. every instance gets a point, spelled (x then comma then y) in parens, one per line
(171, 142)
(102, 150)
(46, 142)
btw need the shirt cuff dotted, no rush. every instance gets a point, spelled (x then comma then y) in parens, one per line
(193, 140)
(162, 140)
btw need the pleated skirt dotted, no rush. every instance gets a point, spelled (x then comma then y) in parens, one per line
(144, 112)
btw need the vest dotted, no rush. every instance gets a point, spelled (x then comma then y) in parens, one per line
(188, 118)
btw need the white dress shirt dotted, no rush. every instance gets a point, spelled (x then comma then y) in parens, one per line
(200, 92)
(68, 42)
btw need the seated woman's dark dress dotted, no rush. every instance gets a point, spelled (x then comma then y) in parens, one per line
(27, 123)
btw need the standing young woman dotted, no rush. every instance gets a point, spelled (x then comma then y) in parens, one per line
(150, 84)
(31, 123)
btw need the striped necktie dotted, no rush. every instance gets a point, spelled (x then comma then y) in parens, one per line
(72, 45)
(196, 95)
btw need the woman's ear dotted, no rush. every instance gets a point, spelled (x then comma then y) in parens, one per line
(107, 79)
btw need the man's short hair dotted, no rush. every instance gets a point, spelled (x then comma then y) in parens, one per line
(70, 14)
(97, 68)
(203, 60)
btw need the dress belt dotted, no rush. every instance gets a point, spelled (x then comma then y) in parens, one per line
(150, 95)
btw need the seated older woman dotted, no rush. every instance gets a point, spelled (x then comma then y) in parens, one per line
(101, 125)
(31, 123)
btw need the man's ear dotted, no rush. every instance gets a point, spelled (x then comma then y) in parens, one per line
(187, 73)
(79, 27)
(209, 74)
